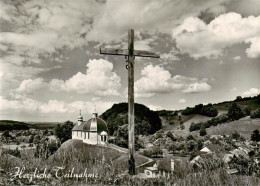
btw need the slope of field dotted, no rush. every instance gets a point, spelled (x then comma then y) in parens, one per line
(187, 122)
(244, 127)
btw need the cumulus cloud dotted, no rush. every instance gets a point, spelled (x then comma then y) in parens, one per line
(251, 92)
(224, 31)
(99, 79)
(197, 87)
(31, 85)
(155, 79)
(182, 101)
(236, 58)
(23, 104)
(155, 107)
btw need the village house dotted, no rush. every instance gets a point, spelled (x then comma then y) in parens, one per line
(163, 168)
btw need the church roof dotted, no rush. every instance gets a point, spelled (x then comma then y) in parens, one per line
(85, 126)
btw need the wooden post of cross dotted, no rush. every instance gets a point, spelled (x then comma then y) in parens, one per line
(130, 55)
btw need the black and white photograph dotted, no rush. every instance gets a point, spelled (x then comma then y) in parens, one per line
(130, 92)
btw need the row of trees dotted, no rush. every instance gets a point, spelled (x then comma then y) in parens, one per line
(206, 110)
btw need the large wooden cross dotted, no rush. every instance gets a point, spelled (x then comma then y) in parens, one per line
(130, 54)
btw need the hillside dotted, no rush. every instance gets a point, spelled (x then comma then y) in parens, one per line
(178, 123)
(146, 121)
(244, 127)
(13, 125)
(78, 151)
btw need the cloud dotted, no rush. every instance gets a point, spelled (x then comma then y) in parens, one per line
(224, 31)
(236, 58)
(29, 85)
(197, 87)
(23, 104)
(182, 101)
(99, 80)
(157, 80)
(155, 107)
(254, 50)
(251, 92)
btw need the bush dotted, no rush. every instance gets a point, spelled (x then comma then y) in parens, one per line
(235, 112)
(171, 123)
(15, 152)
(203, 131)
(170, 135)
(255, 136)
(236, 136)
(256, 114)
(190, 137)
(247, 111)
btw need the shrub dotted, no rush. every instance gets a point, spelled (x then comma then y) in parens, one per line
(15, 152)
(190, 137)
(247, 111)
(170, 135)
(236, 136)
(256, 114)
(203, 131)
(255, 136)
(235, 112)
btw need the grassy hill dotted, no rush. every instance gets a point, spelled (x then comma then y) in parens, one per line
(253, 103)
(173, 120)
(76, 153)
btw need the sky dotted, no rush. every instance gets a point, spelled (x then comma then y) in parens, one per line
(50, 66)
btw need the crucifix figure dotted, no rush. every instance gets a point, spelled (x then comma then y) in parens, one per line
(130, 55)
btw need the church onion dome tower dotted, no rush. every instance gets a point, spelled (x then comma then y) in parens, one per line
(80, 118)
(92, 131)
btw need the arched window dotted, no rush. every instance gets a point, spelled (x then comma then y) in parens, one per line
(101, 138)
(105, 138)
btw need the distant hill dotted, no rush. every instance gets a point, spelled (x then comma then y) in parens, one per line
(18, 125)
(146, 120)
(13, 125)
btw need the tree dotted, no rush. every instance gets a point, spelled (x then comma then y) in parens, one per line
(236, 136)
(235, 112)
(203, 131)
(238, 98)
(6, 136)
(170, 135)
(190, 137)
(255, 136)
(63, 132)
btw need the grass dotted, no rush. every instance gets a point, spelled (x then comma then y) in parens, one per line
(69, 157)
(244, 127)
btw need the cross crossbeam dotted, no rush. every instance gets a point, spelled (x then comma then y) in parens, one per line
(124, 52)
(130, 53)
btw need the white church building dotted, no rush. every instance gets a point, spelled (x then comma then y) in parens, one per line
(92, 131)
